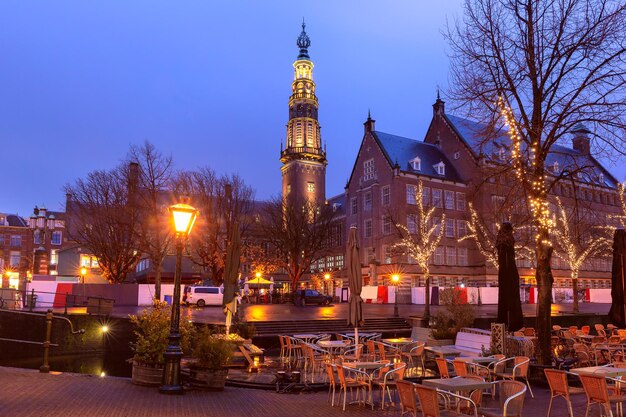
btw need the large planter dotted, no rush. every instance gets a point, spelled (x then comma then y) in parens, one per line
(439, 342)
(148, 376)
(208, 379)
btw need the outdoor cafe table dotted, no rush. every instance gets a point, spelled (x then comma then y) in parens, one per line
(606, 371)
(370, 369)
(335, 347)
(442, 351)
(456, 385)
(307, 337)
(398, 341)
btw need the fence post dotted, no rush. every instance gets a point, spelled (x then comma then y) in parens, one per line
(32, 300)
(46, 344)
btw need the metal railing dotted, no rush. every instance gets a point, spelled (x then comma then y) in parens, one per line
(42, 300)
(48, 317)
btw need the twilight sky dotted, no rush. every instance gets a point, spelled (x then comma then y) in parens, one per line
(207, 82)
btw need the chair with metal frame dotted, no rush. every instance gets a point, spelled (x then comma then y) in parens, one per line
(408, 398)
(520, 370)
(415, 353)
(429, 402)
(597, 392)
(442, 367)
(511, 400)
(559, 387)
(360, 382)
(389, 380)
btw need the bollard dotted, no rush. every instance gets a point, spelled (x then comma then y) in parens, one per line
(46, 344)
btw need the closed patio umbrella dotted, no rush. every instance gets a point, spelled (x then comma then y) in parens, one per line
(617, 314)
(355, 283)
(231, 274)
(509, 304)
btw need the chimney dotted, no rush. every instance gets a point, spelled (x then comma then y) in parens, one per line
(581, 141)
(370, 124)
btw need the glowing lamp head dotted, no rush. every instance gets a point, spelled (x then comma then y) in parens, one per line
(105, 329)
(83, 271)
(395, 278)
(258, 275)
(326, 276)
(184, 217)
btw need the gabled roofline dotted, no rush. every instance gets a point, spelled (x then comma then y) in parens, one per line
(380, 146)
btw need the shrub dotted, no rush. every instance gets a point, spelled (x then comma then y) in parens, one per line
(153, 330)
(244, 329)
(212, 351)
(457, 314)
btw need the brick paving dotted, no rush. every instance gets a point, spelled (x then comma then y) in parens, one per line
(28, 393)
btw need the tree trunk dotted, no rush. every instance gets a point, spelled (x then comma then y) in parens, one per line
(544, 302)
(426, 294)
(575, 290)
(157, 282)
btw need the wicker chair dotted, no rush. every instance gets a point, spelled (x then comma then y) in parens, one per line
(597, 392)
(476, 396)
(585, 329)
(332, 383)
(557, 380)
(442, 367)
(388, 381)
(429, 402)
(415, 354)
(460, 367)
(352, 354)
(293, 349)
(359, 381)
(511, 399)
(408, 399)
(520, 370)
(314, 358)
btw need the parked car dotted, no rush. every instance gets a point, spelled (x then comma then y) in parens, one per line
(312, 297)
(201, 296)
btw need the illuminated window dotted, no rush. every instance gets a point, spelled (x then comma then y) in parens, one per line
(54, 256)
(310, 187)
(386, 254)
(299, 140)
(288, 188)
(309, 136)
(85, 260)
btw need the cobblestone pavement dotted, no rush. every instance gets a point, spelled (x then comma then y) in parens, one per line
(29, 393)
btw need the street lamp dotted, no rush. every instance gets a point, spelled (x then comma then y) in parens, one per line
(83, 273)
(326, 278)
(395, 278)
(184, 217)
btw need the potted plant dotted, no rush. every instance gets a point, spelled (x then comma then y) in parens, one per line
(152, 332)
(457, 314)
(210, 353)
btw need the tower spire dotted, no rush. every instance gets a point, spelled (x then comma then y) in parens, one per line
(303, 43)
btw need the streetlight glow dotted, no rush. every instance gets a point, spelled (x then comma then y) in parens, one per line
(184, 217)
(395, 278)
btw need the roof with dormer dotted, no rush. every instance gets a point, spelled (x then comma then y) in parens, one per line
(401, 151)
(488, 144)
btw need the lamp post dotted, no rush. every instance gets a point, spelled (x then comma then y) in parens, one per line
(184, 217)
(83, 273)
(395, 278)
(326, 278)
(258, 276)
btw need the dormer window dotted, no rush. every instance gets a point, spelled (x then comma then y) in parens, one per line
(555, 167)
(440, 168)
(601, 178)
(416, 164)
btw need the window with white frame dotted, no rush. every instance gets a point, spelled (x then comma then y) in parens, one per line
(449, 198)
(462, 256)
(367, 226)
(440, 168)
(368, 170)
(461, 228)
(450, 255)
(54, 257)
(460, 201)
(310, 187)
(367, 201)
(57, 237)
(386, 225)
(411, 223)
(437, 223)
(438, 256)
(142, 265)
(386, 254)
(416, 164)
(411, 192)
(16, 241)
(385, 196)
(437, 198)
(339, 261)
(426, 196)
(14, 259)
(449, 227)
(354, 205)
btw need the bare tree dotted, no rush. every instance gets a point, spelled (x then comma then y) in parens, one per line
(547, 66)
(218, 213)
(421, 243)
(298, 235)
(480, 234)
(576, 242)
(154, 180)
(104, 221)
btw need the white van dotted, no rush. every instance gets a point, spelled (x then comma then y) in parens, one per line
(201, 296)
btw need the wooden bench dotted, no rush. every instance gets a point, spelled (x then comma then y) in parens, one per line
(472, 342)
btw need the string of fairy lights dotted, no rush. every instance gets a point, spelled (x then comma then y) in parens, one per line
(478, 233)
(531, 174)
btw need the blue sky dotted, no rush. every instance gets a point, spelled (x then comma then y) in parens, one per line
(207, 82)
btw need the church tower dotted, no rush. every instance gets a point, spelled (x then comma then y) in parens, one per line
(303, 158)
